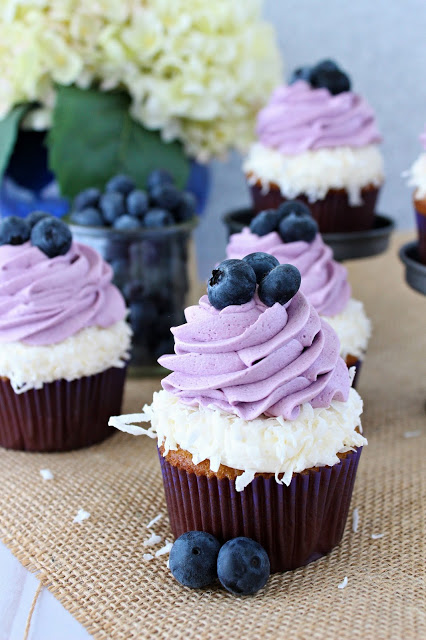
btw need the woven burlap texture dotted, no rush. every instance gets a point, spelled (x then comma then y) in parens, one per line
(97, 571)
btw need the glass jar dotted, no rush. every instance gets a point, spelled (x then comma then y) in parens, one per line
(150, 268)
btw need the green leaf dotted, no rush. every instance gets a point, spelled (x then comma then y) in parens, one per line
(9, 126)
(93, 137)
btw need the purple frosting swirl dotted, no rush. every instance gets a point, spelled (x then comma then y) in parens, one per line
(43, 301)
(298, 118)
(252, 360)
(324, 281)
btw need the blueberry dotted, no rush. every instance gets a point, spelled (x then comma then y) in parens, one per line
(232, 282)
(87, 198)
(265, 222)
(193, 559)
(36, 216)
(165, 196)
(294, 228)
(243, 566)
(187, 207)
(302, 73)
(52, 236)
(158, 218)
(89, 217)
(159, 176)
(279, 285)
(261, 263)
(14, 230)
(293, 206)
(112, 206)
(327, 65)
(137, 203)
(334, 80)
(121, 183)
(127, 223)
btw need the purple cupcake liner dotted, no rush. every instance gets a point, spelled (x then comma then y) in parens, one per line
(62, 415)
(334, 214)
(296, 524)
(421, 228)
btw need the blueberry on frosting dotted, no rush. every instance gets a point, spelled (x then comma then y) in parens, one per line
(279, 285)
(294, 228)
(233, 282)
(261, 263)
(325, 74)
(293, 206)
(36, 216)
(14, 230)
(52, 236)
(265, 222)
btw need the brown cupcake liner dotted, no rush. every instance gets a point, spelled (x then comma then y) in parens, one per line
(62, 415)
(334, 214)
(353, 361)
(296, 524)
(420, 207)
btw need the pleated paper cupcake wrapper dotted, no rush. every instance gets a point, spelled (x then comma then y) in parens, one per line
(421, 228)
(62, 415)
(296, 524)
(334, 214)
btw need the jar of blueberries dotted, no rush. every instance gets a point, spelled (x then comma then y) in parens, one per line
(144, 235)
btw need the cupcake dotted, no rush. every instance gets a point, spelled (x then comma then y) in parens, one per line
(258, 428)
(291, 235)
(417, 179)
(318, 142)
(64, 340)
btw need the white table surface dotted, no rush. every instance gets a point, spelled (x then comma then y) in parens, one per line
(50, 621)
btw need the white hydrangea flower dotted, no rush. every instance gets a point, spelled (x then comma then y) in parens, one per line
(197, 71)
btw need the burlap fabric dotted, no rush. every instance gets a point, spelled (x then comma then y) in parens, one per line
(96, 569)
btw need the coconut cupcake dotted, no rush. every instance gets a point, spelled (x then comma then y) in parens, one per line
(258, 430)
(291, 235)
(417, 179)
(318, 142)
(64, 341)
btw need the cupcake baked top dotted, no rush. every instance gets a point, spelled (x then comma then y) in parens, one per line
(417, 173)
(60, 315)
(296, 240)
(257, 382)
(312, 139)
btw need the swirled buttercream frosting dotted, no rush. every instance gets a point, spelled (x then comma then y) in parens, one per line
(44, 301)
(299, 118)
(253, 360)
(324, 281)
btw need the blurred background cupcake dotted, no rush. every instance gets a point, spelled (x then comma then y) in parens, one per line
(291, 235)
(417, 179)
(318, 141)
(64, 339)
(258, 430)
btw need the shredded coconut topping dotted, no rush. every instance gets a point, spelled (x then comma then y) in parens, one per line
(314, 173)
(263, 445)
(344, 583)
(353, 328)
(412, 434)
(152, 540)
(154, 521)
(90, 351)
(355, 520)
(417, 177)
(166, 549)
(377, 536)
(81, 516)
(147, 556)
(46, 474)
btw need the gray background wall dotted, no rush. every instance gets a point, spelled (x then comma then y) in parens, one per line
(382, 45)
